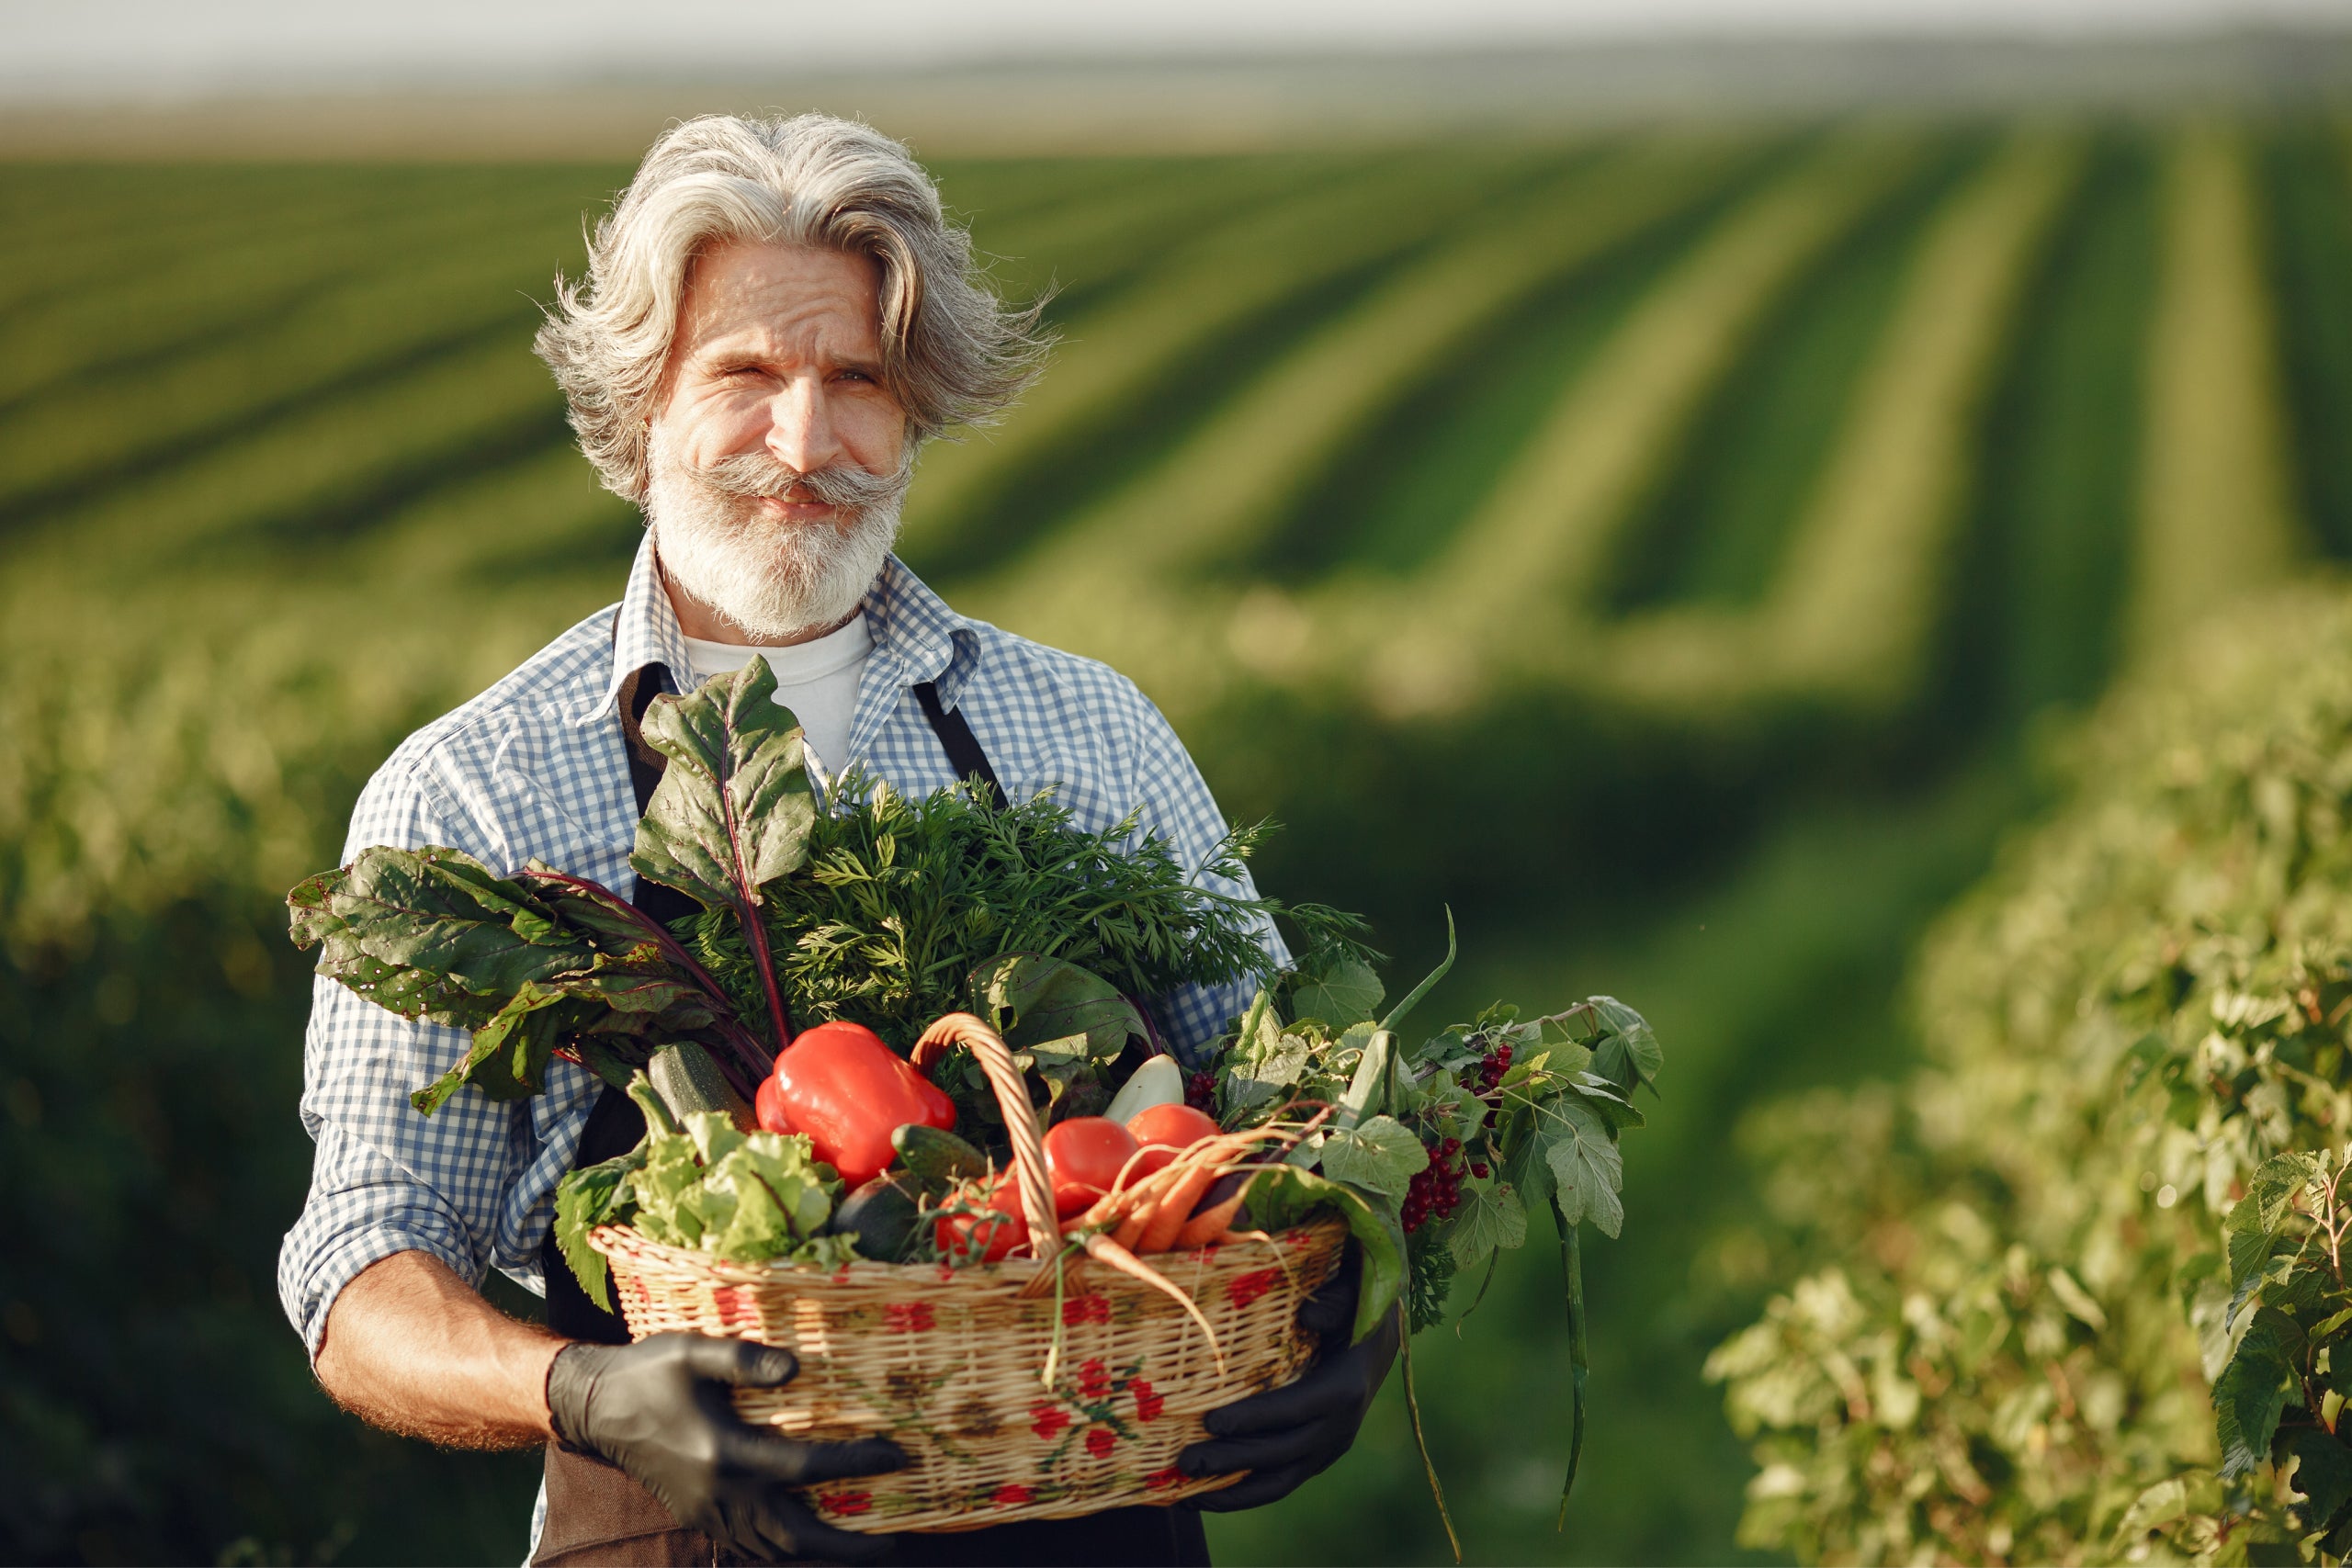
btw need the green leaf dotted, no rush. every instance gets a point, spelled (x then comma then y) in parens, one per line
(1030, 999)
(1368, 1088)
(2253, 1390)
(1588, 1171)
(585, 1199)
(432, 934)
(1346, 991)
(1627, 1053)
(2176, 1497)
(734, 808)
(1381, 1154)
(1286, 1196)
(2323, 1474)
(1490, 1218)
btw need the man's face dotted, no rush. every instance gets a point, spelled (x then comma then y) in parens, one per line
(776, 458)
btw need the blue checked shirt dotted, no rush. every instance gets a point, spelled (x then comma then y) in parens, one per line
(534, 768)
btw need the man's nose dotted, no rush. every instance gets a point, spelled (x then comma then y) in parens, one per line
(800, 427)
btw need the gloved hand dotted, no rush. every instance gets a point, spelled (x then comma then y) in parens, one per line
(660, 1410)
(1287, 1434)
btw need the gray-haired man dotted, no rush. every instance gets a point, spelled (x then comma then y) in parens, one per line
(776, 315)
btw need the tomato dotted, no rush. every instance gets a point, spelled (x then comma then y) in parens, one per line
(1164, 1130)
(999, 1233)
(837, 1083)
(768, 1105)
(1084, 1157)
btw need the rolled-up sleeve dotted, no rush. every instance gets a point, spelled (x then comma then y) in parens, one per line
(386, 1178)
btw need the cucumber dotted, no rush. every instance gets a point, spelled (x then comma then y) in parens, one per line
(688, 1080)
(936, 1160)
(882, 1216)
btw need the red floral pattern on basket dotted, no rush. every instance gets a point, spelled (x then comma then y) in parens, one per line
(736, 1307)
(1248, 1288)
(845, 1501)
(1012, 1495)
(1101, 1441)
(1049, 1421)
(1085, 1309)
(1093, 1378)
(1161, 1480)
(1148, 1401)
(909, 1317)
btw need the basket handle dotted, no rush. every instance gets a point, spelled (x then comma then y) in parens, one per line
(1020, 1117)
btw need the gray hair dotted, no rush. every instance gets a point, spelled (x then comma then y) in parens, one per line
(952, 351)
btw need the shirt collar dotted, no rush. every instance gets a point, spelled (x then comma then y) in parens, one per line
(916, 636)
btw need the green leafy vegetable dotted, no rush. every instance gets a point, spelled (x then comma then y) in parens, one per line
(733, 811)
(1286, 1195)
(532, 965)
(699, 1182)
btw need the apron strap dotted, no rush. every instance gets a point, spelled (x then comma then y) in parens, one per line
(962, 748)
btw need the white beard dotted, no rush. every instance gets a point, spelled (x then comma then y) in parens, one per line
(773, 581)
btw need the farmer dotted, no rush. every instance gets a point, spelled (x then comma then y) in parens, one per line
(776, 316)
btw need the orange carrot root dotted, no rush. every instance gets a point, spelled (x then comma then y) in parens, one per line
(1209, 1225)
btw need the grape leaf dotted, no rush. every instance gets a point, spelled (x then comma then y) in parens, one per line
(1586, 1168)
(1381, 1153)
(2252, 1392)
(2323, 1474)
(1491, 1217)
(1345, 992)
(1286, 1196)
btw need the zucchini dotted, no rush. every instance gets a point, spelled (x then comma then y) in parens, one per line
(688, 1080)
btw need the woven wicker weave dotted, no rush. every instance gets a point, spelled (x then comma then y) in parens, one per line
(952, 1363)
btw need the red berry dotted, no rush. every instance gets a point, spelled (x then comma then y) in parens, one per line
(1478, 1170)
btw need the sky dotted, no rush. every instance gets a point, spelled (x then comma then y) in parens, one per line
(76, 48)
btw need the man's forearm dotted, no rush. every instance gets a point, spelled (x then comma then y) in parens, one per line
(412, 1348)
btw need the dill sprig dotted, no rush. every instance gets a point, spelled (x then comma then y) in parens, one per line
(902, 898)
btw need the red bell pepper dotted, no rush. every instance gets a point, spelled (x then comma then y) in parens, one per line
(837, 1083)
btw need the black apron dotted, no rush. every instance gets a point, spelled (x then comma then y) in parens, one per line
(596, 1515)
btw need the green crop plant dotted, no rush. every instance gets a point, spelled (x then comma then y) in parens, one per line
(1854, 600)
(2217, 510)
(1117, 578)
(1553, 518)
(228, 291)
(1257, 453)
(2014, 1300)
(1238, 274)
(2304, 173)
(1712, 528)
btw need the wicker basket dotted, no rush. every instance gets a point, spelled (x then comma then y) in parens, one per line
(1016, 1396)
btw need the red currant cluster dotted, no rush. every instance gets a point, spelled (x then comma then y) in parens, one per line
(1200, 1093)
(1436, 1189)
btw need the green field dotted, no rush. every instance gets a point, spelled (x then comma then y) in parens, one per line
(1670, 551)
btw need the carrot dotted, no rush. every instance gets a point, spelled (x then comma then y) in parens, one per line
(1168, 1215)
(1209, 1225)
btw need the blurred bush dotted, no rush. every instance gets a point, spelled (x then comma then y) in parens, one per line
(2014, 1299)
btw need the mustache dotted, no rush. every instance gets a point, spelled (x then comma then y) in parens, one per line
(756, 476)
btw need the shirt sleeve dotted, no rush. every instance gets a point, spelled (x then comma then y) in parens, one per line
(385, 1178)
(1176, 804)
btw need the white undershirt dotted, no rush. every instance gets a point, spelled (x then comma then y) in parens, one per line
(817, 681)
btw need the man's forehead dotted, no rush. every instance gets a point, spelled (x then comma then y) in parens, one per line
(751, 290)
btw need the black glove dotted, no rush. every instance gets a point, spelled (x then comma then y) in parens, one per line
(660, 1410)
(1285, 1435)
